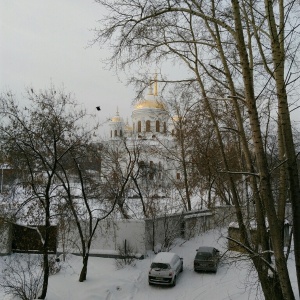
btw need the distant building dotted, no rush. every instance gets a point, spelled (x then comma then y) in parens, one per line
(150, 130)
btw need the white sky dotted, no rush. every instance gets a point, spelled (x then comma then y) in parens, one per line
(44, 42)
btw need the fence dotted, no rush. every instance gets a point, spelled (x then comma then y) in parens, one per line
(139, 235)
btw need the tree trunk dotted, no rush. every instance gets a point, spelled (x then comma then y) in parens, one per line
(278, 55)
(265, 186)
(45, 254)
(83, 272)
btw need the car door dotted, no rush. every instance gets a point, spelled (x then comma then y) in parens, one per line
(216, 256)
(177, 264)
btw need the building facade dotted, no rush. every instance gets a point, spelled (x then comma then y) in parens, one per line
(150, 131)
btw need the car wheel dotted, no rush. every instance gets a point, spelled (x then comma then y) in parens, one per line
(174, 281)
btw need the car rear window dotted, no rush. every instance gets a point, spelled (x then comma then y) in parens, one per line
(162, 266)
(204, 255)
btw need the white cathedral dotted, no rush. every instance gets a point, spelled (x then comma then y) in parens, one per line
(150, 119)
(152, 129)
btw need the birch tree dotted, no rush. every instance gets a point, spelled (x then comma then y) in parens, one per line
(239, 50)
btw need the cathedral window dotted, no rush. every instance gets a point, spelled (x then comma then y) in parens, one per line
(121, 132)
(178, 176)
(165, 127)
(116, 133)
(148, 127)
(139, 126)
(157, 126)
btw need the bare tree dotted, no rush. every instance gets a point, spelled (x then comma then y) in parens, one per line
(228, 48)
(37, 140)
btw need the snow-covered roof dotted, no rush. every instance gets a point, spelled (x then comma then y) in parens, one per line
(253, 224)
(198, 214)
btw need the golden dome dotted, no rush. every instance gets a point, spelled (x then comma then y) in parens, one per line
(149, 104)
(128, 128)
(117, 117)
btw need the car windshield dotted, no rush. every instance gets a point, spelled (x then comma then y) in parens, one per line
(204, 255)
(159, 266)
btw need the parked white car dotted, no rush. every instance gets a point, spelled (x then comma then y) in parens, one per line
(165, 268)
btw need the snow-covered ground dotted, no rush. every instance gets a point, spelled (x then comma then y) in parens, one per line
(233, 281)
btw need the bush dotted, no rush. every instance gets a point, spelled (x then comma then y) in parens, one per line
(54, 265)
(126, 256)
(22, 276)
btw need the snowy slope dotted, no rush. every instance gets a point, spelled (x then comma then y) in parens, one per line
(233, 280)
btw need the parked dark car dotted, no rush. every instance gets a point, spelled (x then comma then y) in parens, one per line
(207, 259)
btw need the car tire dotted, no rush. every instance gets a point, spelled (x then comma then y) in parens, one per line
(174, 281)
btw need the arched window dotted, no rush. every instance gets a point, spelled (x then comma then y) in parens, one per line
(139, 126)
(165, 127)
(148, 126)
(121, 132)
(116, 132)
(157, 126)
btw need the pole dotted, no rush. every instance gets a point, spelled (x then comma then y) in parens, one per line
(1, 179)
